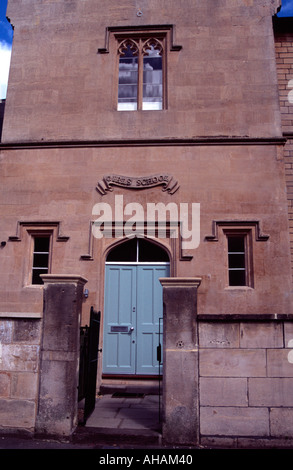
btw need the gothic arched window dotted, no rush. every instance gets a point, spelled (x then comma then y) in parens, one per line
(141, 74)
(138, 250)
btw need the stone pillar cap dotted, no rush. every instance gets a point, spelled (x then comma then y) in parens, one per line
(63, 278)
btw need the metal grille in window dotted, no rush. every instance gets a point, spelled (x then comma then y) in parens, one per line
(40, 258)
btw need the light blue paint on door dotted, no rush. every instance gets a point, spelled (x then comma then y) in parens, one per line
(120, 317)
(133, 309)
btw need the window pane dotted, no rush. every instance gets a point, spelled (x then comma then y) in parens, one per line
(36, 279)
(124, 252)
(40, 258)
(236, 244)
(152, 80)
(128, 81)
(150, 252)
(236, 260)
(42, 244)
(237, 278)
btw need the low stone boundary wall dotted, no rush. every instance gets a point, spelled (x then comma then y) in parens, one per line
(39, 359)
(228, 379)
(246, 382)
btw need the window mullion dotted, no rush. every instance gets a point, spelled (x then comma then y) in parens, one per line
(140, 77)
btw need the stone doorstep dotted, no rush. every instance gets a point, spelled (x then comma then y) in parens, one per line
(143, 437)
(149, 388)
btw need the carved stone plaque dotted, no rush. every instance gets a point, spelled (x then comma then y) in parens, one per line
(143, 182)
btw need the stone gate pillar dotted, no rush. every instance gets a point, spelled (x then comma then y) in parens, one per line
(180, 361)
(59, 356)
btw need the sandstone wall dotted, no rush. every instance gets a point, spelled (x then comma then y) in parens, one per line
(19, 373)
(246, 383)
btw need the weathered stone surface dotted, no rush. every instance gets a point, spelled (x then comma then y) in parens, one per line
(261, 335)
(6, 331)
(26, 330)
(180, 396)
(19, 365)
(281, 422)
(4, 384)
(288, 331)
(24, 385)
(228, 421)
(279, 363)
(223, 391)
(270, 392)
(59, 320)
(19, 414)
(181, 419)
(18, 357)
(232, 363)
(57, 401)
(219, 335)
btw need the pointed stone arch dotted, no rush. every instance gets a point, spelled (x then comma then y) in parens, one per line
(160, 251)
(133, 306)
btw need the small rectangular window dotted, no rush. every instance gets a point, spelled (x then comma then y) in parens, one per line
(237, 260)
(41, 254)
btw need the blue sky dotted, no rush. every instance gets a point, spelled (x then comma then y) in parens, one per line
(6, 36)
(286, 9)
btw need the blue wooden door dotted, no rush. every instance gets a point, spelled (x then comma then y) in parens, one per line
(149, 313)
(133, 309)
(119, 320)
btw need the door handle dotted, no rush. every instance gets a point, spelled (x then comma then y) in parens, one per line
(131, 328)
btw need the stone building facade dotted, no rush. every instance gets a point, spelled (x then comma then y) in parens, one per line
(111, 110)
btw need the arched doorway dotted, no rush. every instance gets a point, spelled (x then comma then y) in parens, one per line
(133, 312)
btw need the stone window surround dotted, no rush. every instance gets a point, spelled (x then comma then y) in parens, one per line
(25, 232)
(246, 234)
(163, 33)
(239, 227)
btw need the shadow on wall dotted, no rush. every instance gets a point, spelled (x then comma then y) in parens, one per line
(2, 107)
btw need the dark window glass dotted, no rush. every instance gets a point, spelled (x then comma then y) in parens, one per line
(40, 258)
(236, 261)
(138, 249)
(124, 252)
(150, 252)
